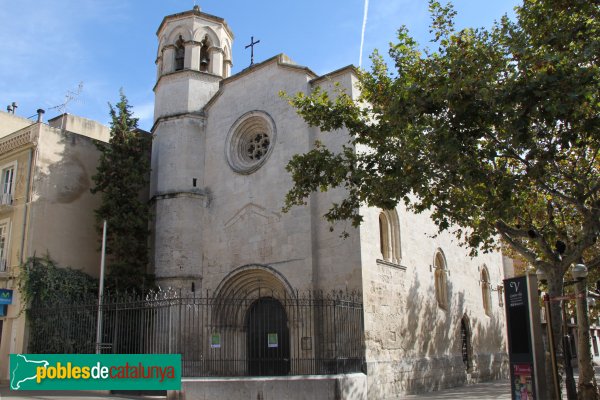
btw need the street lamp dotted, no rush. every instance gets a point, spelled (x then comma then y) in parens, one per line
(579, 272)
(541, 276)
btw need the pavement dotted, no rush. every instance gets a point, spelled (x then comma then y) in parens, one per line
(7, 394)
(497, 390)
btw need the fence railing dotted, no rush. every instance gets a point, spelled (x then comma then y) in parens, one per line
(263, 333)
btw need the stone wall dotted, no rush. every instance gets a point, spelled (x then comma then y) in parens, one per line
(327, 387)
(419, 347)
(244, 223)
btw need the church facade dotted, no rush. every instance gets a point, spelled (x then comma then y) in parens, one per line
(432, 316)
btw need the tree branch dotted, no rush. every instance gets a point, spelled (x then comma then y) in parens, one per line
(524, 251)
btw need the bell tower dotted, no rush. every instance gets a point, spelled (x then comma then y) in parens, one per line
(194, 55)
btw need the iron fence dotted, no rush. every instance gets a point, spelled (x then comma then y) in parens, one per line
(264, 333)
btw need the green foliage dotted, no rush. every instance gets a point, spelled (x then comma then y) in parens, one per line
(42, 283)
(47, 288)
(495, 131)
(122, 176)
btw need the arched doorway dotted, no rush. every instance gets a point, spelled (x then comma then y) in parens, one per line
(268, 338)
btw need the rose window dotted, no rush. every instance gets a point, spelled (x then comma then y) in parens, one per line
(258, 146)
(250, 141)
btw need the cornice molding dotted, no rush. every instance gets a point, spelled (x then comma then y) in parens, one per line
(17, 140)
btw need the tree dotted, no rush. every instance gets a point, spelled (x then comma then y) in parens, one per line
(122, 176)
(496, 131)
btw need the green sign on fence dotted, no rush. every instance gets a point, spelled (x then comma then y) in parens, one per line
(215, 341)
(95, 371)
(272, 340)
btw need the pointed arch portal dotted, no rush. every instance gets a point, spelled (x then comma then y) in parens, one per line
(268, 338)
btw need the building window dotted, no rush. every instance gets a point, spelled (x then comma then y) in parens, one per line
(250, 141)
(8, 183)
(486, 294)
(465, 341)
(4, 245)
(389, 236)
(441, 281)
(179, 54)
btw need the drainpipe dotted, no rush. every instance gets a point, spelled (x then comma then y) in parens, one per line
(26, 211)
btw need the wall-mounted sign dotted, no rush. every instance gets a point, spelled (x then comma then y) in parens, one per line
(525, 348)
(523, 381)
(6, 296)
(215, 341)
(3, 311)
(272, 340)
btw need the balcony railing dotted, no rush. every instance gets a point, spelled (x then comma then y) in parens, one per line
(6, 199)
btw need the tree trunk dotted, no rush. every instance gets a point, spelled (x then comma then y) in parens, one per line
(587, 381)
(555, 289)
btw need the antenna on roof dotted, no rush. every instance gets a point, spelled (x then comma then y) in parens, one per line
(69, 97)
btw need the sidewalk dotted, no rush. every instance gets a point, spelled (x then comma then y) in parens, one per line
(495, 390)
(7, 394)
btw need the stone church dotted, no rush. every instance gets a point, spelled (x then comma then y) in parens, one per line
(432, 317)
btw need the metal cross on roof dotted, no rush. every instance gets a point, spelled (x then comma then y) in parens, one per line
(251, 45)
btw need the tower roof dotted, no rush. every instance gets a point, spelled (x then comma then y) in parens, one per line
(195, 12)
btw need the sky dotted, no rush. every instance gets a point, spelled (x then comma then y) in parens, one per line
(49, 47)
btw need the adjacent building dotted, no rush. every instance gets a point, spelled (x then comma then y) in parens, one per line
(46, 207)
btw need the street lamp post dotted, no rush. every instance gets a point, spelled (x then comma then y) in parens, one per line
(569, 378)
(587, 380)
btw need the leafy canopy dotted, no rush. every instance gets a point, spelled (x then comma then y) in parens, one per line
(496, 131)
(122, 177)
(44, 284)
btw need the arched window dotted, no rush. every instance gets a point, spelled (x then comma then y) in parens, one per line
(486, 291)
(204, 55)
(179, 54)
(441, 282)
(389, 236)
